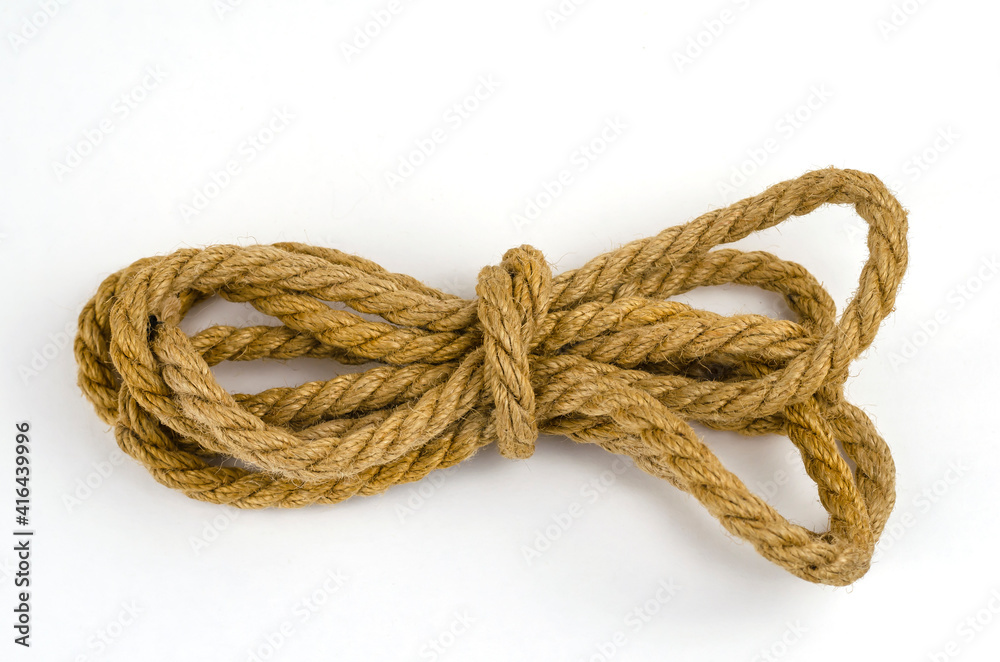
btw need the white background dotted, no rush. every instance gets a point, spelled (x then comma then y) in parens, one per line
(905, 90)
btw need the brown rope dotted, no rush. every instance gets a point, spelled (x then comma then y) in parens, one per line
(597, 354)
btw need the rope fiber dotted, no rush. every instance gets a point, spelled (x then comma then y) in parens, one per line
(598, 354)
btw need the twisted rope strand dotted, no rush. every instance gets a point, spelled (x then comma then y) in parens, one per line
(597, 354)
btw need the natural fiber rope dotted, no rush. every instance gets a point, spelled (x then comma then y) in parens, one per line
(597, 354)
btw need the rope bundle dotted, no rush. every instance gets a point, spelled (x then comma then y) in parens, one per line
(597, 354)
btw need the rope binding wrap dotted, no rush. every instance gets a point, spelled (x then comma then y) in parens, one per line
(598, 354)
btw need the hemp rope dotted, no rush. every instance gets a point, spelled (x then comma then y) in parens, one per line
(597, 354)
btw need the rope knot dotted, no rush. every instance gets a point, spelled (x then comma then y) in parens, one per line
(514, 298)
(599, 354)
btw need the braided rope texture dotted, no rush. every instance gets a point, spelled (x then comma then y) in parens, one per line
(598, 354)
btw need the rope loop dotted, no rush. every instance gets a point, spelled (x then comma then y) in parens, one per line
(513, 302)
(600, 354)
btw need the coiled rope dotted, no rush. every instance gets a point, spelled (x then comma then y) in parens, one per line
(597, 354)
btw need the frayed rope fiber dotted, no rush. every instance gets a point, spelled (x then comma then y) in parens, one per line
(597, 354)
